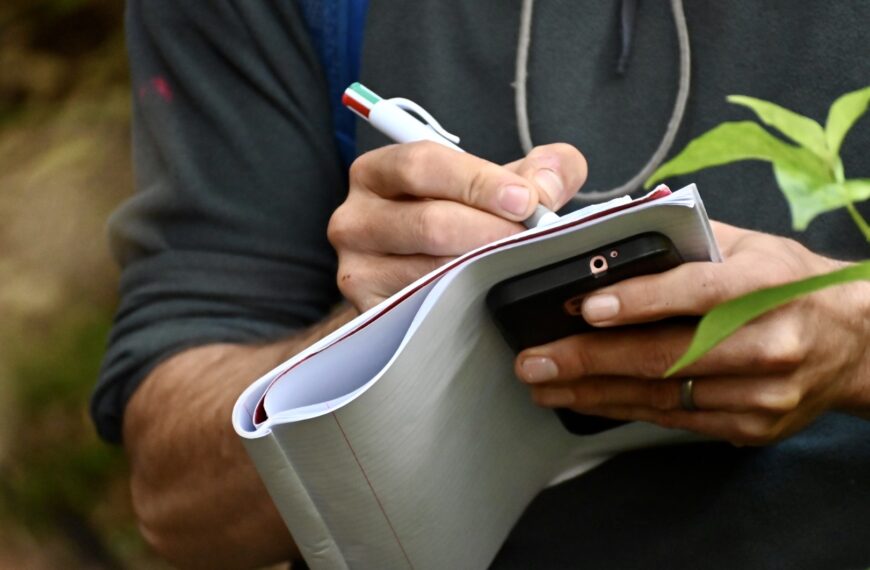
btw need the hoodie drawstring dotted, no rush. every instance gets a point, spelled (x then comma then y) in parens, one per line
(627, 25)
(627, 18)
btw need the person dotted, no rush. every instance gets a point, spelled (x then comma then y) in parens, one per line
(247, 239)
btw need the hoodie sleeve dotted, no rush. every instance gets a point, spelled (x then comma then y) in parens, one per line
(236, 173)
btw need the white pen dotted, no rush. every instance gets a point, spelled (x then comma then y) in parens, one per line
(392, 117)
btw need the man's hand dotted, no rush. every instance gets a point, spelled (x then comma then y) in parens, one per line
(413, 207)
(768, 380)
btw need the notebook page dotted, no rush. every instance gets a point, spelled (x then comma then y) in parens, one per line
(354, 363)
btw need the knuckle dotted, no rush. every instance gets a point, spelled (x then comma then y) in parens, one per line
(714, 289)
(784, 350)
(786, 250)
(779, 401)
(656, 361)
(539, 397)
(590, 396)
(474, 192)
(431, 229)
(779, 270)
(359, 167)
(663, 395)
(573, 158)
(755, 430)
(412, 161)
(666, 421)
(576, 358)
(339, 231)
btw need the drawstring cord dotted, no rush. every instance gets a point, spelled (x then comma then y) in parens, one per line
(627, 18)
(628, 12)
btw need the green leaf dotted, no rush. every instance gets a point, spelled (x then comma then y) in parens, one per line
(802, 130)
(856, 190)
(843, 114)
(725, 319)
(745, 140)
(807, 200)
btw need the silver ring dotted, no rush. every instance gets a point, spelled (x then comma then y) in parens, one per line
(687, 397)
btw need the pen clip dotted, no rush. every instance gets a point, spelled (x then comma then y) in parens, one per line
(428, 119)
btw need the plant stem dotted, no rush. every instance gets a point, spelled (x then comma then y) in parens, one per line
(859, 221)
(840, 176)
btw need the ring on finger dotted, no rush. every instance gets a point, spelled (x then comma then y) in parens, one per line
(687, 395)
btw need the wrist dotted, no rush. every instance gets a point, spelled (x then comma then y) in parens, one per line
(855, 298)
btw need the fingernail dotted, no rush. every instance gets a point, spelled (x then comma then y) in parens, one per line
(556, 397)
(538, 369)
(551, 183)
(600, 307)
(514, 199)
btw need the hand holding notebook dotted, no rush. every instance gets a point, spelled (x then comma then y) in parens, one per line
(404, 440)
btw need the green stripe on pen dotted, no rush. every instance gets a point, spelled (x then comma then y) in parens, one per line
(363, 92)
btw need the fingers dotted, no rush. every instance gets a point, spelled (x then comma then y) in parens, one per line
(433, 227)
(689, 289)
(741, 424)
(423, 199)
(638, 353)
(753, 261)
(735, 394)
(748, 390)
(768, 380)
(770, 346)
(550, 174)
(745, 428)
(739, 429)
(430, 170)
(557, 169)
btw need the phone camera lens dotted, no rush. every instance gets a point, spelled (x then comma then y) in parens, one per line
(598, 264)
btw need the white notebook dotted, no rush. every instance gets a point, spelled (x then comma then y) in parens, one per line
(404, 440)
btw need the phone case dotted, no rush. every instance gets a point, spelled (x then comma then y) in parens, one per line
(545, 304)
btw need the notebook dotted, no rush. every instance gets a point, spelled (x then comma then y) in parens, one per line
(404, 440)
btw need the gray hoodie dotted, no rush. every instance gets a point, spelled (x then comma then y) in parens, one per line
(237, 174)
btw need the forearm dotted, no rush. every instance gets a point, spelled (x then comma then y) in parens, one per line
(196, 494)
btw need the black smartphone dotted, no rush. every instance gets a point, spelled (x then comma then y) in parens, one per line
(545, 304)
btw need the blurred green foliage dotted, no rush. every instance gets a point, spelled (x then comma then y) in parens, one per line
(64, 164)
(56, 463)
(50, 49)
(58, 479)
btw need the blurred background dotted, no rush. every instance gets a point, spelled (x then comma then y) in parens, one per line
(64, 165)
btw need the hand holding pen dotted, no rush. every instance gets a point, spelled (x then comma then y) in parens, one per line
(412, 207)
(392, 117)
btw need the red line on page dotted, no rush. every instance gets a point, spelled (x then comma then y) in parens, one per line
(374, 494)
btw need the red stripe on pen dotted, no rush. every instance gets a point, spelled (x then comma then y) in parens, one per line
(349, 101)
